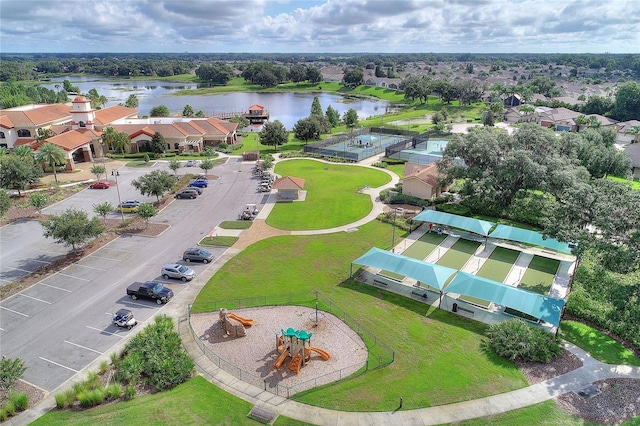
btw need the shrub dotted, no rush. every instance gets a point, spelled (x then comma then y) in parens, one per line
(19, 399)
(104, 366)
(113, 391)
(129, 392)
(10, 371)
(65, 398)
(146, 158)
(3, 415)
(10, 409)
(91, 398)
(515, 339)
(454, 208)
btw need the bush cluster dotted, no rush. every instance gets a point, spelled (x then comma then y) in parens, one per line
(454, 208)
(155, 357)
(515, 339)
(16, 402)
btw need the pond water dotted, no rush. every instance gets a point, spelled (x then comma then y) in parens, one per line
(287, 107)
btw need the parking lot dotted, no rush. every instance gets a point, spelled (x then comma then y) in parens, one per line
(63, 323)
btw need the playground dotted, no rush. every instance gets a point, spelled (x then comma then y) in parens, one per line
(333, 350)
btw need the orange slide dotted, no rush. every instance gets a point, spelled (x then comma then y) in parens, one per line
(281, 359)
(296, 363)
(323, 354)
(244, 321)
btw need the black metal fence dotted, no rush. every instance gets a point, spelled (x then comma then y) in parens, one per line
(379, 353)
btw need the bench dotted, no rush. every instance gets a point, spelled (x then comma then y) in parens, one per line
(466, 311)
(378, 282)
(261, 415)
(419, 294)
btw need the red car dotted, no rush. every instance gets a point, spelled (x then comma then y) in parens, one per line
(101, 184)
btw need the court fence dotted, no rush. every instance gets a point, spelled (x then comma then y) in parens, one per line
(337, 146)
(379, 353)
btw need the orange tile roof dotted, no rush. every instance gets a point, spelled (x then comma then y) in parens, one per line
(6, 122)
(39, 115)
(289, 182)
(256, 107)
(428, 175)
(70, 140)
(116, 112)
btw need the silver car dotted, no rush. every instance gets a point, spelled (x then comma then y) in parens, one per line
(198, 255)
(180, 272)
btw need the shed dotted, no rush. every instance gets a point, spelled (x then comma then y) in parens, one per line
(289, 188)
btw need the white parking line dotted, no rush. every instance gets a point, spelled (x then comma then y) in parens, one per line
(59, 365)
(91, 267)
(57, 288)
(93, 256)
(71, 276)
(143, 305)
(34, 298)
(15, 312)
(103, 331)
(18, 269)
(1, 329)
(83, 347)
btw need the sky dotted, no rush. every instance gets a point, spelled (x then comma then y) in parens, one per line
(320, 26)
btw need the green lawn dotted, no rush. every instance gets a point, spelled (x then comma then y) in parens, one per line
(459, 254)
(332, 198)
(539, 274)
(439, 355)
(599, 345)
(546, 413)
(195, 402)
(235, 224)
(498, 265)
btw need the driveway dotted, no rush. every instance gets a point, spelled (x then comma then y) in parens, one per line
(62, 324)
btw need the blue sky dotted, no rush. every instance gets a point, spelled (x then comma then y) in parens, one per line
(317, 26)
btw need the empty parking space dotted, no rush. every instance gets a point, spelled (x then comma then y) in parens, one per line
(24, 305)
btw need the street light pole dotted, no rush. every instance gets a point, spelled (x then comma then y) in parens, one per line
(104, 160)
(119, 199)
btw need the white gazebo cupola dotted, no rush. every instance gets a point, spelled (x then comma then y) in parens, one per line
(82, 115)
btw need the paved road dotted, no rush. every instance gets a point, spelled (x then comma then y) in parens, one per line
(63, 323)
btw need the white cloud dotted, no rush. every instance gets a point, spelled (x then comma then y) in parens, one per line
(571, 26)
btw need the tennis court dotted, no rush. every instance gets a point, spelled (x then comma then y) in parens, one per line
(361, 144)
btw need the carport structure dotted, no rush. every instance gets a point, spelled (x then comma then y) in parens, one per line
(477, 226)
(545, 308)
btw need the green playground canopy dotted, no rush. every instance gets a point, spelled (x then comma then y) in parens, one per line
(530, 237)
(477, 226)
(546, 308)
(425, 272)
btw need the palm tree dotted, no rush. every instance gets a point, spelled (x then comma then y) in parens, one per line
(117, 140)
(50, 154)
(23, 151)
(43, 134)
(581, 120)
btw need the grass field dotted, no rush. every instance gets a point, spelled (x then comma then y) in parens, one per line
(539, 275)
(599, 345)
(332, 198)
(439, 356)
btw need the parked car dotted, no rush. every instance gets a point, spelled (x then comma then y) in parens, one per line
(195, 188)
(124, 318)
(150, 290)
(127, 207)
(134, 202)
(175, 270)
(199, 183)
(198, 255)
(101, 184)
(187, 193)
(190, 163)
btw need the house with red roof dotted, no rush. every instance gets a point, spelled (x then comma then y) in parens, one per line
(421, 181)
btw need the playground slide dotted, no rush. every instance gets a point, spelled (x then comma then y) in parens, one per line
(296, 363)
(281, 359)
(323, 354)
(244, 321)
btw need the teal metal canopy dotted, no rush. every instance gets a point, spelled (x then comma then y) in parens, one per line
(546, 308)
(428, 273)
(530, 237)
(477, 226)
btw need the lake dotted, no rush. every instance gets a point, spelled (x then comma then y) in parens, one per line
(288, 107)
